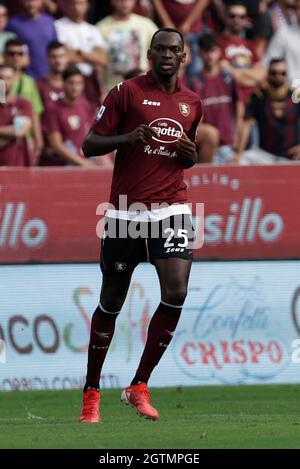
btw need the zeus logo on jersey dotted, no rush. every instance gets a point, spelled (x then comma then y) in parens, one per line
(151, 103)
(100, 113)
(168, 130)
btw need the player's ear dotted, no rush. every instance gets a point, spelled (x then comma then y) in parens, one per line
(149, 54)
(183, 58)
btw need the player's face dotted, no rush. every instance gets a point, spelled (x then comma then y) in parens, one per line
(58, 59)
(166, 54)
(73, 87)
(278, 74)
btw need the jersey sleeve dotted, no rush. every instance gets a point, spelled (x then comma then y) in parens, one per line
(193, 130)
(111, 112)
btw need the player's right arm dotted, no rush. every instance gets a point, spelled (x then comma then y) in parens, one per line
(97, 145)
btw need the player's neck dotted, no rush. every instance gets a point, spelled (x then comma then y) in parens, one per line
(166, 84)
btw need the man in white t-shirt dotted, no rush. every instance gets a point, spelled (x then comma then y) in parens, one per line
(128, 37)
(85, 45)
(286, 43)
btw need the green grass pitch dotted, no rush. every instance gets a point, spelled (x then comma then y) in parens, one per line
(191, 417)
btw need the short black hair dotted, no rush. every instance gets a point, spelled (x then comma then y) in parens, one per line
(167, 30)
(54, 45)
(14, 42)
(208, 41)
(277, 60)
(71, 71)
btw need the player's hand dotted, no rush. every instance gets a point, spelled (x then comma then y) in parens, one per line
(142, 134)
(187, 151)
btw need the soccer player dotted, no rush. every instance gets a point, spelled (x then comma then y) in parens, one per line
(151, 120)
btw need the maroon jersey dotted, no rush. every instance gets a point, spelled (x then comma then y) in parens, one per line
(219, 96)
(241, 53)
(72, 121)
(15, 153)
(149, 173)
(49, 93)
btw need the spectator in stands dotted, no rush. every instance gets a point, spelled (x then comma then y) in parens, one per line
(259, 28)
(16, 55)
(36, 29)
(51, 87)
(222, 104)
(277, 117)
(85, 46)
(4, 35)
(286, 43)
(100, 10)
(186, 16)
(15, 123)
(128, 37)
(190, 81)
(239, 55)
(52, 7)
(68, 121)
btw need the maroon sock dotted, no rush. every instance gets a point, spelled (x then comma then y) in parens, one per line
(160, 333)
(102, 330)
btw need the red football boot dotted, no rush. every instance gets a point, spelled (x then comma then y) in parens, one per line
(137, 396)
(90, 412)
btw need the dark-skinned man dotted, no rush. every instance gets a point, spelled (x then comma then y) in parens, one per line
(151, 120)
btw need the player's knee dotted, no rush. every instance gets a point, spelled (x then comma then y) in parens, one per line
(175, 295)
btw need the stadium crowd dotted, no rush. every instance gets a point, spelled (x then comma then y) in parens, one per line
(58, 60)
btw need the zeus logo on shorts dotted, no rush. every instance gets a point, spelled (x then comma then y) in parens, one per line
(100, 113)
